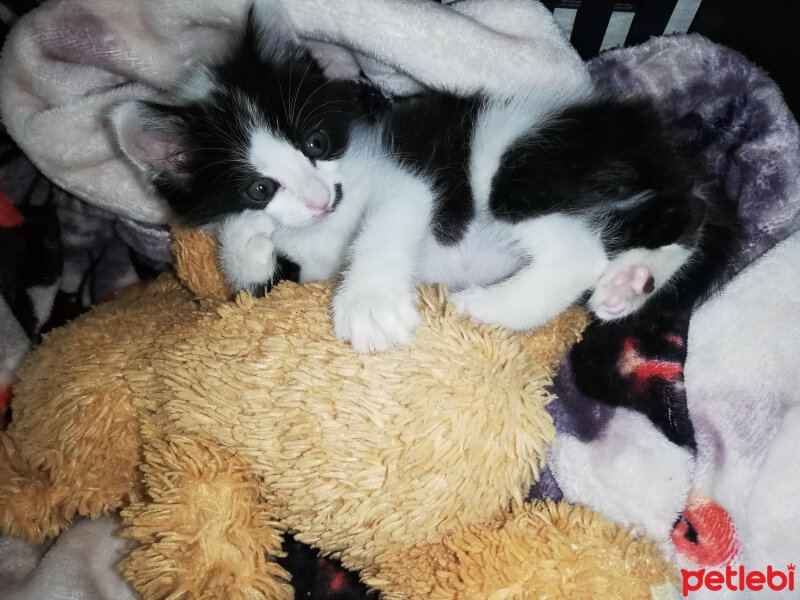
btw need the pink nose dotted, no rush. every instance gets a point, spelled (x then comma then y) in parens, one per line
(316, 194)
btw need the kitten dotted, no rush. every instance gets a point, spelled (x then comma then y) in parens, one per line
(522, 205)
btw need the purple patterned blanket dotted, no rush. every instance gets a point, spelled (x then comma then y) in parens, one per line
(671, 419)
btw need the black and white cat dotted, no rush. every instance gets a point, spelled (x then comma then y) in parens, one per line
(522, 204)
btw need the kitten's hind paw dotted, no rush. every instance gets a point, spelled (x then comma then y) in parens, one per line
(622, 292)
(631, 278)
(374, 320)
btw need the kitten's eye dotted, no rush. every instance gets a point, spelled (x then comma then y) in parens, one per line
(261, 190)
(317, 145)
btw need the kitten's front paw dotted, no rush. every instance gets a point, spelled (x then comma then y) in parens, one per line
(375, 320)
(246, 253)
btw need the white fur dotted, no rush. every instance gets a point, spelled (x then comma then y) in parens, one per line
(320, 247)
(375, 306)
(564, 256)
(485, 255)
(246, 251)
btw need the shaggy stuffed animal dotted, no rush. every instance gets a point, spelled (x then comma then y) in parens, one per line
(216, 425)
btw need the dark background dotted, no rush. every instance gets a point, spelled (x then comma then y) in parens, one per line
(766, 31)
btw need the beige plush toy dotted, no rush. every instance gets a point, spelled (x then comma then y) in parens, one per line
(216, 425)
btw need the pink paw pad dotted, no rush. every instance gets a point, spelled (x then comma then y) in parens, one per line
(641, 280)
(638, 280)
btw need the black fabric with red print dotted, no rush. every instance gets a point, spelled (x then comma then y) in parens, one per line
(638, 363)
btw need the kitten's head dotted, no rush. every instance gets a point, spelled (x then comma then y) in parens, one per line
(261, 130)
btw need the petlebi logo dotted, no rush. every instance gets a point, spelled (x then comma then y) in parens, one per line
(738, 579)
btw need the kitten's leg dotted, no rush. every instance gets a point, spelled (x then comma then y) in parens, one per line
(633, 276)
(566, 259)
(375, 305)
(246, 252)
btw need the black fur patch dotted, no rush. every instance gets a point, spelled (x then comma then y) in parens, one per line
(431, 134)
(337, 196)
(593, 156)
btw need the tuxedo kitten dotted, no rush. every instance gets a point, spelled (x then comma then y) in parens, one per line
(521, 204)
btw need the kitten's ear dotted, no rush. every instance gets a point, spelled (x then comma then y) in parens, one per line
(270, 33)
(153, 137)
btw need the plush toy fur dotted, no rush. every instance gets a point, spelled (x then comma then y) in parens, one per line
(216, 425)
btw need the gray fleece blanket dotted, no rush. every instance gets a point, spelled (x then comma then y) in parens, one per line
(687, 426)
